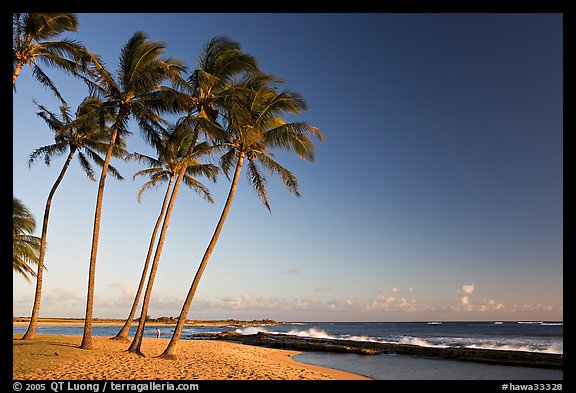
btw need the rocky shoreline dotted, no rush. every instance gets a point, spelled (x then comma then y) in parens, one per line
(491, 356)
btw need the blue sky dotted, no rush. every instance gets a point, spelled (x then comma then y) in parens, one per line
(437, 193)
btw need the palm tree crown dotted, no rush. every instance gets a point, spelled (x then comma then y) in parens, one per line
(255, 125)
(25, 246)
(83, 134)
(173, 157)
(138, 88)
(31, 42)
(220, 64)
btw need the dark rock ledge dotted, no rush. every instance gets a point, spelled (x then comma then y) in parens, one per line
(491, 356)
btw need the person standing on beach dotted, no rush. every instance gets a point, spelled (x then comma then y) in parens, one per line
(157, 333)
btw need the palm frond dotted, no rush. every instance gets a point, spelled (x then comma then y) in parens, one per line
(66, 49)
(258, 182)
(228, 160)
(31, 241)
(224, 59)
(294, 137)
(100, 162)
(47, 25)
(25, 247)
(22, 219)
(153, 183)
(167, 100)
(102, 83)
(200, 188)
(128, 55)
(85, 164)
(272, 105)
(55, 55)
(115, 172)
(98, 146)
(49, 117)
(49, 152)
(273, 168)
(46, 81)
(143, 159)
(208, 170)
(21, 266)
(212, 129)
(148, 172)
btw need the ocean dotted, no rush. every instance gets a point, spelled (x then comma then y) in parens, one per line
(521, 336)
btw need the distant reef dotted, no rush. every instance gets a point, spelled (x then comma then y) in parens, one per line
(491, 356)
(165, 320)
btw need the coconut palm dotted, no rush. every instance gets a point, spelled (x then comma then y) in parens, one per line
(219, 64)
(182, 137)
(31, 43)
(83, 135)
(25, 246)
(254, 125)
(165, 168)
(136, 92)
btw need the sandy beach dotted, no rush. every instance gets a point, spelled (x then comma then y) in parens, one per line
(58, 358)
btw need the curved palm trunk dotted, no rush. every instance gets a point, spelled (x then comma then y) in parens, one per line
(31, 332)
(137, 341)
(17, 70)
(123, 333)
(170, 351)
(87, 336)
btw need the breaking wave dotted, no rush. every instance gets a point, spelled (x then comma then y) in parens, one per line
(436, 342)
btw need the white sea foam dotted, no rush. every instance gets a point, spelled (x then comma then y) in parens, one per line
(251, 330)
(435, 342)
(551, 349)
(420, 342)
(363, 338)
(312, 332)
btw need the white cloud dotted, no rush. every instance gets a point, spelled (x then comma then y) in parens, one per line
(292, 270)
(468, 289)
(494, 305)
(382, 305)
(397, 290)
(126, 289)
(59, 296)
(540, 307)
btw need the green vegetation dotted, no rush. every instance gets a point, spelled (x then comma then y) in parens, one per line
(25, 246)
(31, 43)
(83, 135)
(229, 110)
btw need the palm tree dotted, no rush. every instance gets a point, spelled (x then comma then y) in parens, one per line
(165, 168)
(25, 246)
(181, 161)
(137, 92)
(254, 126)
(31, 34)
(83, 135)
(220, 62)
